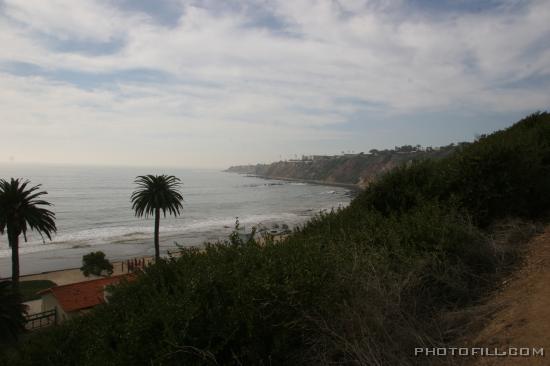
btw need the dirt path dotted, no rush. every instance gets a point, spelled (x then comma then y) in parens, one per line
(523, 318)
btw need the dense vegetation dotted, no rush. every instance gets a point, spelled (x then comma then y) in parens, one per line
(362, 285)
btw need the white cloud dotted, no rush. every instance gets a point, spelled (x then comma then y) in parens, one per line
(227, 78)
(66, 19)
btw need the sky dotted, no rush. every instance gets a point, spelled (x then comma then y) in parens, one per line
(205, 83)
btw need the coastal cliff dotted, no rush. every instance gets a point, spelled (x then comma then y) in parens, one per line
(348, 169)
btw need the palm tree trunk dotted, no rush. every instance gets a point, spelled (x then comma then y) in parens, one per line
(157, 225)
(14, 244)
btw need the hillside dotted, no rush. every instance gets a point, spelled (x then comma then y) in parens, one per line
(400, 268)
(352, 169)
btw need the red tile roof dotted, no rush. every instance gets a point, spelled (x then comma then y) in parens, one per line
(83, 295)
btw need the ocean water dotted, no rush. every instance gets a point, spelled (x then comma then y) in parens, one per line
(93, 211)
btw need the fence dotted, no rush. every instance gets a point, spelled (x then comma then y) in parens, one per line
(136, 264)
(41, 320)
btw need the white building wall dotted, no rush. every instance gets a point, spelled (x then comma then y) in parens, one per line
(49, 302)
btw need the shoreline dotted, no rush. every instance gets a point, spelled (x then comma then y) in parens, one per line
(350, 186)
(45, 261)
(65, 276)
(72, 274)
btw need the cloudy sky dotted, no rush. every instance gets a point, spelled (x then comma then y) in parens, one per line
(208, 83)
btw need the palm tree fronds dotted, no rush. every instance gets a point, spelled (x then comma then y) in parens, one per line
(157, 192)
(21, 209)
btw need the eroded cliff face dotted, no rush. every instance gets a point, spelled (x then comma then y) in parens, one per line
(359, 169)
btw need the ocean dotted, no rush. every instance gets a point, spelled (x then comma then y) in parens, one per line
(93, 211)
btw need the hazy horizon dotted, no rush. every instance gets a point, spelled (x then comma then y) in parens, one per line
(13, 162)
(206, 84)
(108, 165)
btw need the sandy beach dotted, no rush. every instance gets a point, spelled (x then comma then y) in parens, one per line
(72, 275)
(70, 259)
(62, 274)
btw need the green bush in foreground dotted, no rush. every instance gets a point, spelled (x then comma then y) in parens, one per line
(263, 303)
(362, 285)
(501, 175)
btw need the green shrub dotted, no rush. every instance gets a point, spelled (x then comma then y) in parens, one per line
(96, 264)
(507, 173)
(501, 175)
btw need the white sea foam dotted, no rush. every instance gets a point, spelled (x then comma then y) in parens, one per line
(119, 235)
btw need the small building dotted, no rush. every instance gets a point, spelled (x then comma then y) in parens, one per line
(77, 298)
(320, 157)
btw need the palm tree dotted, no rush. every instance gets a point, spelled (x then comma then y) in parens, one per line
(156, 193)
(19, 211)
